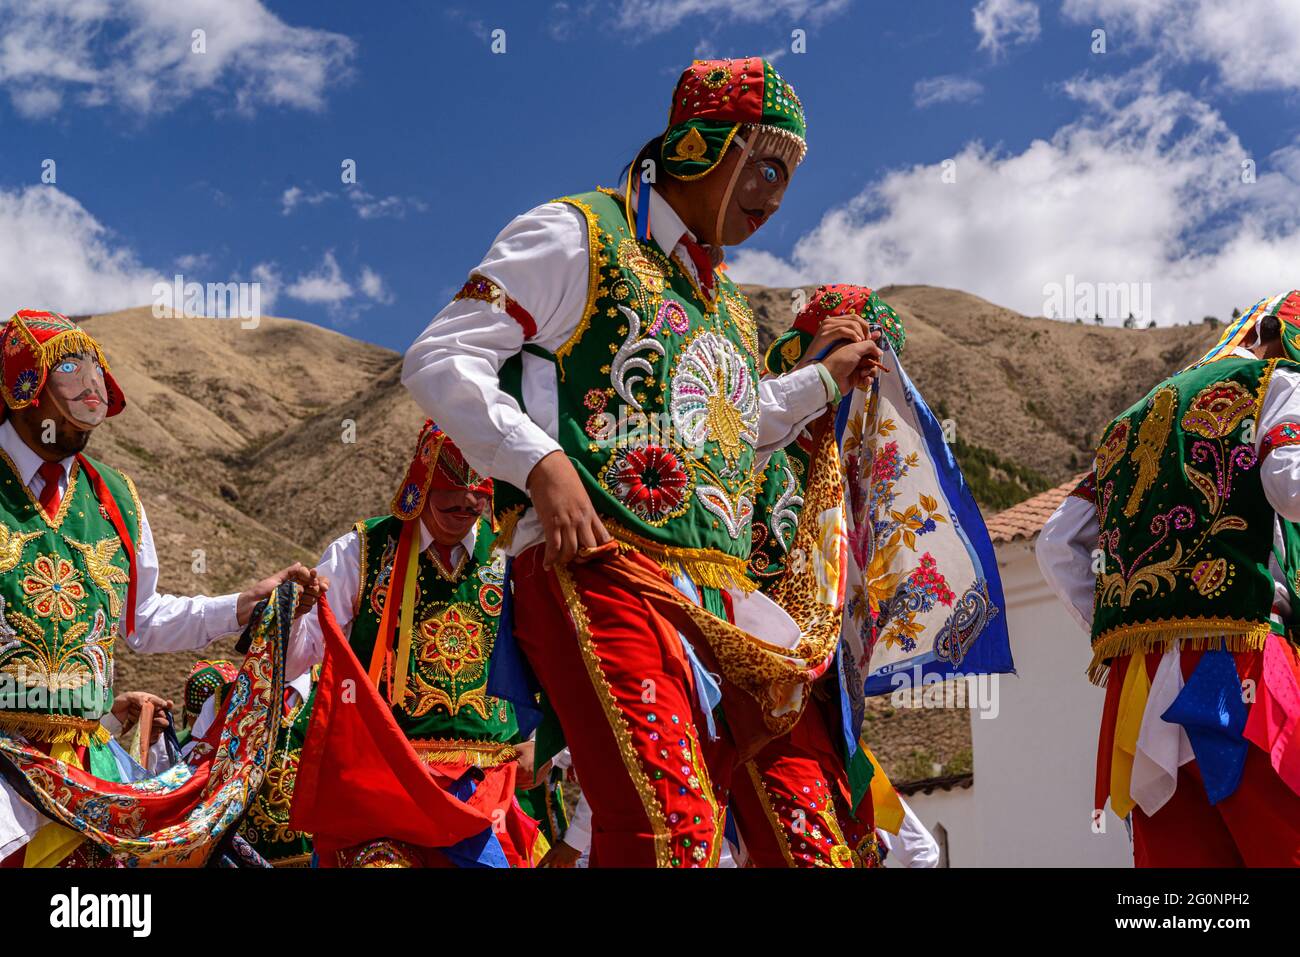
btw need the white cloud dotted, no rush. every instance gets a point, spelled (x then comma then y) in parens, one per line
(296, 196)
(324, 285)
(1003, 22)
(327, 286)
(1145, 186)
(1254, 45)
(385, 207)
(140, 55)
(659, 16)
(55, 255)
(366, 205)
(373, 285)
(946, 89)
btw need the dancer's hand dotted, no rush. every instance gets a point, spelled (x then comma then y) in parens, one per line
(854, 365)
(127, 708)
(313, 586)
(836, 329)
(569, 521)
(560, 855)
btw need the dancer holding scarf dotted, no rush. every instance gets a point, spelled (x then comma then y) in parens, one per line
(601, 367)
(78, 571)
(417, 593)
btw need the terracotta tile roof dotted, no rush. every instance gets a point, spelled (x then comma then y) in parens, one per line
(1026, 520)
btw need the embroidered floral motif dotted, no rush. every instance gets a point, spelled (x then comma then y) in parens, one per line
(1218, 409)
(55, 588)
(714, 398)
(451, 651)
(649, 481)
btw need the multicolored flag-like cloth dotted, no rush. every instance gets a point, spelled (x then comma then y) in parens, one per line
(923, 594)
(179, 817)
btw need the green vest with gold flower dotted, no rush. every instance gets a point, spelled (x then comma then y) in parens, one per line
(63, 581)
(1186, 532)
(658, 402)
(455, 627)
(777, 506)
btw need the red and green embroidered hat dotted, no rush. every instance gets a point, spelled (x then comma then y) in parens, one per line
(714, 98)
(206, 679)
(31, 343)
(437, 465)
(842, 299)
(834, 299)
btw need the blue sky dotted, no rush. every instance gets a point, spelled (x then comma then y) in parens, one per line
(1071, 165)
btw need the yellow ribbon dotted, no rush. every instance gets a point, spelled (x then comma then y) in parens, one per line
(1128, 724)
(404, 628)
(885, 802)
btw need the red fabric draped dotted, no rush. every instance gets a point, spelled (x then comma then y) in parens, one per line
(359, 779)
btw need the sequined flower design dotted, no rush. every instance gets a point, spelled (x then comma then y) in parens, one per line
(55, 588)
(650, 481)
(410, 498)
(714, 397)
(595, 399)
(25, 385)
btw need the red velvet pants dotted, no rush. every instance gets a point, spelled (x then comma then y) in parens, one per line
(792, 803)
(615, 673)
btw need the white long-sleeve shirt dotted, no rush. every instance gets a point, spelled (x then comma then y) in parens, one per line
(341, 564)
(540, 260)
(913, 845)
(1066, 544)
(162, 622)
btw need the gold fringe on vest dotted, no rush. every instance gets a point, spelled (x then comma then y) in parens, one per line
(706, 567)
(54, 728)
(1193, 634)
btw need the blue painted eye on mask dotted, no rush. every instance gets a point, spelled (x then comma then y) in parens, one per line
(66, 367)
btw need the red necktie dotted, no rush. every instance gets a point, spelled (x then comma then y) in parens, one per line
(444, 552)
(51, 495)
(703, 264)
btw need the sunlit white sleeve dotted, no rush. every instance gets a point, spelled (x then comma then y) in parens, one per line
(787, 403)
(914, 845)
(1064, 552)
(341, 564)
(1279, 470)
(540, 262)
(172, 622)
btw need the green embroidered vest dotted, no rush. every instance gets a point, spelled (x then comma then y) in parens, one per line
(455, 628)
(776, 515)
(266, 826)
(62, 583)
(657, 401)
(1186, 532)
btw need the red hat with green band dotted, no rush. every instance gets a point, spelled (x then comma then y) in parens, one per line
(835, 299)
(714, 99)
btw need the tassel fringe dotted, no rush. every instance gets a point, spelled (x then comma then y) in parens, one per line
(1198, 635)
(54, 728)
(704, 566)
